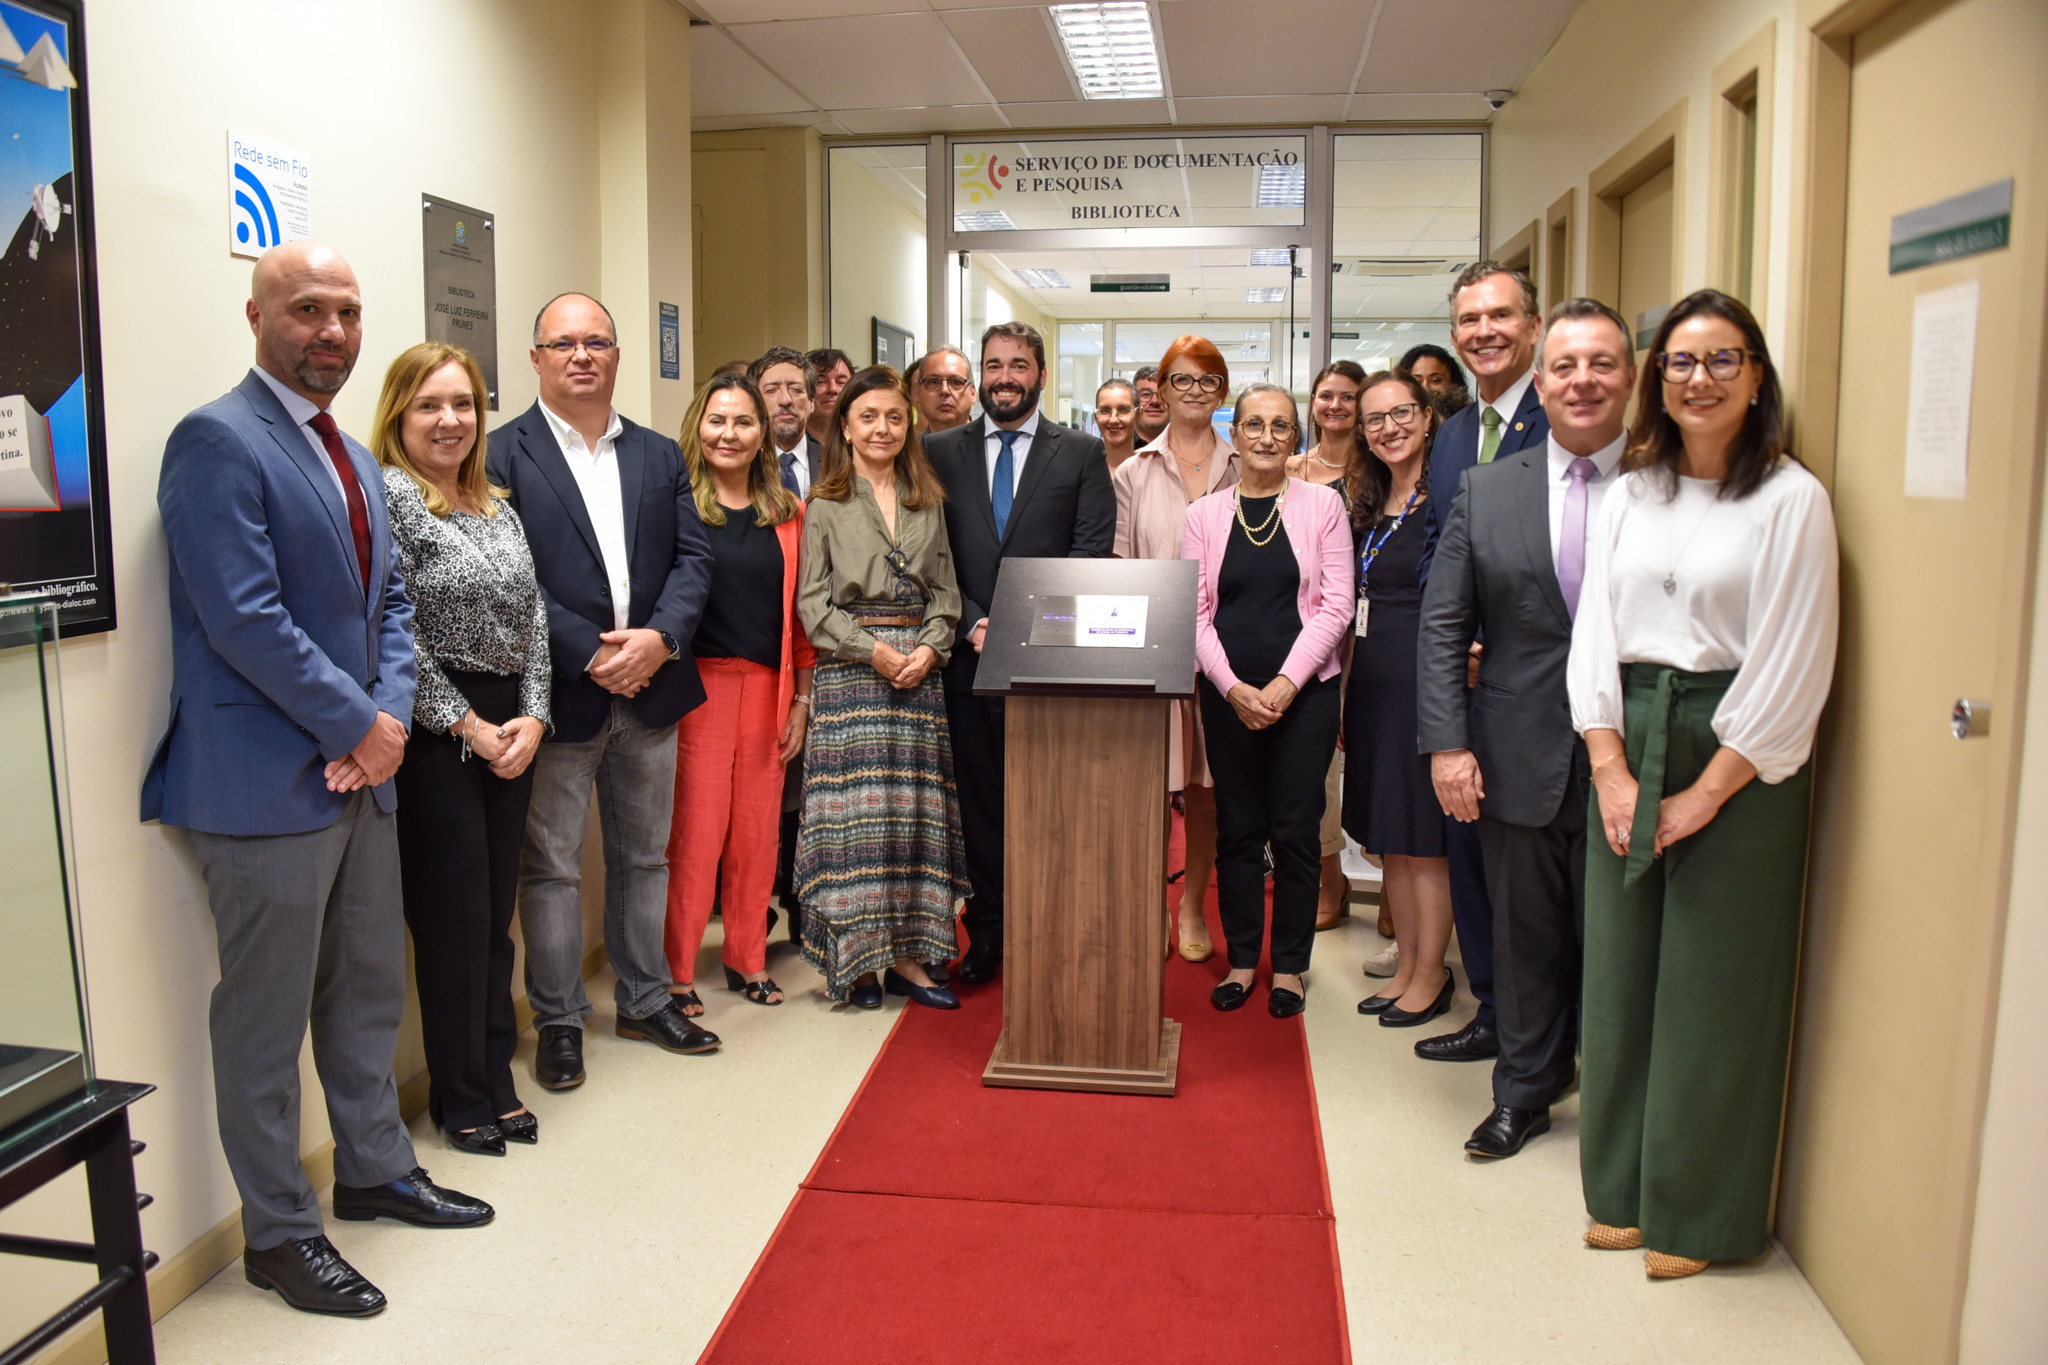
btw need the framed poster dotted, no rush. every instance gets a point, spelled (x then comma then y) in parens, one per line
(53, 445)
(893, 345)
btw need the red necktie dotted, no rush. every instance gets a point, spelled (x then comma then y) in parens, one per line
(352, 491)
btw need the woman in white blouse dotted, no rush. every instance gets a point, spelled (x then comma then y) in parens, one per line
(1701, 658)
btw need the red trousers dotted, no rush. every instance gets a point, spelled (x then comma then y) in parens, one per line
(728, 809)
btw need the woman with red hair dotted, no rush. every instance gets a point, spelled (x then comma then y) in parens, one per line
(1153, 489)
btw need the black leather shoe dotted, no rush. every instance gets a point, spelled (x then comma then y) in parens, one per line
(521, 1128)
(981, 965)
(1230, 995)
(414, 1199)
(1506, 1129)
(483, 1140)
(1393, 1016)
(670, 1031)
(310, 1275)
(558, 1061)
(1376, 1004)
(932, 997)
(1476, 1042)
(1282, 1003)
(867, 997)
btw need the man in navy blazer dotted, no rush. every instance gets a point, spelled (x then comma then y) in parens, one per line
(291, 695)
(624, 567)
(1494, 325)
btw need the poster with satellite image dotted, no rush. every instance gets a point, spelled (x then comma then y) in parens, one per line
(53, 463)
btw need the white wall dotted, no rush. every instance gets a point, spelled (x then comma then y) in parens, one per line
(878, 262)
(494, 103)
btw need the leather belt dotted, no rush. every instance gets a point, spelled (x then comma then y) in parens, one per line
(889, 620)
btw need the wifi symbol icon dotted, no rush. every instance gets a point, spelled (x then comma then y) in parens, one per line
(255, 215)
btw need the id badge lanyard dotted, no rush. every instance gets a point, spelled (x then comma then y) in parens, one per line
(1373, 546)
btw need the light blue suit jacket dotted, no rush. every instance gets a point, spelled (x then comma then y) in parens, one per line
(281, 662)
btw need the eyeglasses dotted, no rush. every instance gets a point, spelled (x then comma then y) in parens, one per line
(1256, 429)
(1207, 383)
(594, 345)
(1400, 415)
(899, 564)
(1723, 364)
(932, 383)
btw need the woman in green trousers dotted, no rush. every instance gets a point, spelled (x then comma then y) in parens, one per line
(1701, 659)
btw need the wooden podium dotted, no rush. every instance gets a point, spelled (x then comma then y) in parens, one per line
(1086, 819)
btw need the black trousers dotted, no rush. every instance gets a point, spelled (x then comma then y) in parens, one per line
(459, 831)
(1536, 878)
(1472, 913)
(977, 726)
(1269, 791)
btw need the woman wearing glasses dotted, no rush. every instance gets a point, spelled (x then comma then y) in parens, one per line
(1271, 604)
(879, 863)
(1390, 805)
(756, 664)
(1153, 489)
(1701, 658)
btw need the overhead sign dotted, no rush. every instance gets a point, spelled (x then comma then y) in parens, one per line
(270, 195)
(462, 282)
(1130, 284)
(1963, 226)
(1150, 182)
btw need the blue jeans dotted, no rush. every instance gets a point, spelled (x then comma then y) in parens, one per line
(633, 770)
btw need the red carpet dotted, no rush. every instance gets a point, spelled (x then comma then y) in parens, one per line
(950, 1221)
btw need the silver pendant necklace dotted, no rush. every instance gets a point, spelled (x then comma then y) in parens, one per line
(1671, 574)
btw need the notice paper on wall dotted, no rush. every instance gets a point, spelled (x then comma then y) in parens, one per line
(1938, 394)
(1103, 621)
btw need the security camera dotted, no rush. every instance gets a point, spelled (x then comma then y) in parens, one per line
(1496, 98)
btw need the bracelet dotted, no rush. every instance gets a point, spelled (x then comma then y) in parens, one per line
(803, 700)
(1603, 763)
(469, 735)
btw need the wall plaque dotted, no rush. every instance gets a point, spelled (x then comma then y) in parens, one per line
(462, 282)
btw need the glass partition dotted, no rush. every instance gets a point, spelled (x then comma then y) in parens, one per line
(1405, 221)
(45, 1038)
(879, 263)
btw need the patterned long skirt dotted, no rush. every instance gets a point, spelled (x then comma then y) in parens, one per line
(879, 861)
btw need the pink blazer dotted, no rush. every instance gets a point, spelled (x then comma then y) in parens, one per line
(1320, 532)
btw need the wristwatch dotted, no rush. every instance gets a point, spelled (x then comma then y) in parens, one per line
(675, 651)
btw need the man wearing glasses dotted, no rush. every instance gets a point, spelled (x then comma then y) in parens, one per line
(1494, 325)
(624, 567)
(942, 390)
(1017, 486)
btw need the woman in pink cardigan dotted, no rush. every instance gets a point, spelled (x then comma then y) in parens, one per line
(1271, 606)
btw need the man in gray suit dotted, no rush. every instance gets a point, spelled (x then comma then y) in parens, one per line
(1510, 566)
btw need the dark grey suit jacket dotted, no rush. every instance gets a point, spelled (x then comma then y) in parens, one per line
(1492, 575)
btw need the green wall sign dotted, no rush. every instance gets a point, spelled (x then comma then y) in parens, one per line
(1954, 228)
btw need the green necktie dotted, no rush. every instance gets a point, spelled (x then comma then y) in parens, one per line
(1489, 441)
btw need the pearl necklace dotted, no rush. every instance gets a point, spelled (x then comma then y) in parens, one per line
(1270, 526)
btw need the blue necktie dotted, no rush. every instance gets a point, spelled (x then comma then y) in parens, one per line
(1005, 487)
(789, 473)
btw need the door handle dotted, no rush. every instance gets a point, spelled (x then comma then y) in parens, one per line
(1971, 718)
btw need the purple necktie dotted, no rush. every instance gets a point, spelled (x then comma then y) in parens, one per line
(1571, 542)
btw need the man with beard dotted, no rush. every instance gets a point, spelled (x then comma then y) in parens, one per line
(941, 389)
(833, 370)
(787, 384)
(1017, 486)
(291, 693)
(1151, 407)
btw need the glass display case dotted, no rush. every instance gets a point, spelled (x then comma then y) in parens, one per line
(46, 1065)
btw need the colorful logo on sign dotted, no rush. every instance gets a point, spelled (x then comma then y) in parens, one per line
(981, 176)
(461, 232)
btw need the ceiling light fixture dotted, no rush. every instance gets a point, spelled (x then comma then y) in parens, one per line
(1044, 279)
(1283, 187)
(1111, 49)
(982, 220)
(1272, 255)
(1272, 295)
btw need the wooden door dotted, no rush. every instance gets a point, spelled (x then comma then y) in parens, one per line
(1646, 250)
(1913, 829)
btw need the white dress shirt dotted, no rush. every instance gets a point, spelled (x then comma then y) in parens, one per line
(597, 479)
(303, 410)
(1607, 460)
(1755, 589)
(802, 465)
(1020, 450)
(1505, 405)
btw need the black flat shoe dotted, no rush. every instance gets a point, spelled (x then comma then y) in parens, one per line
(520, 1128)
(981, 965)
(932, 997)
(1282, 1003)
(310, 1275)
(1395, 1017)
(1376, 1004)
(1505, 1130)
(868, 997)
(938, 972)
(558, 1061)
(756, 991)
(1230, 995)
(412, 1198)
(1476, 1042)
(669, 1030)
(482, 1140)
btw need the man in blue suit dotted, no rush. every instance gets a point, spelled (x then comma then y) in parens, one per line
(291, 694)
(1494, 325)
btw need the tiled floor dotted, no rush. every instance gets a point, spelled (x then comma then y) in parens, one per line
(625, 1234)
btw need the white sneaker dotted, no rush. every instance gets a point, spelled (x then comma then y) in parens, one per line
(1385, 962)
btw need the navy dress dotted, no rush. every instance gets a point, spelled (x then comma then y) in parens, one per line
(1390, 805)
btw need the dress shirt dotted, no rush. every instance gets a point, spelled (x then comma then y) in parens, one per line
(303, 410)
(1755, 590)
(801, 465)
(1020, 450)
(1505, 405)
(1608, 458)
(597, 478)
(845, 563)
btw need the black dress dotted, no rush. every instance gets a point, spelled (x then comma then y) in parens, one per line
(1390, 805)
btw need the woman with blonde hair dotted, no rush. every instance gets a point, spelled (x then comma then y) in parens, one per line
(756, 664)
(480, 635)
